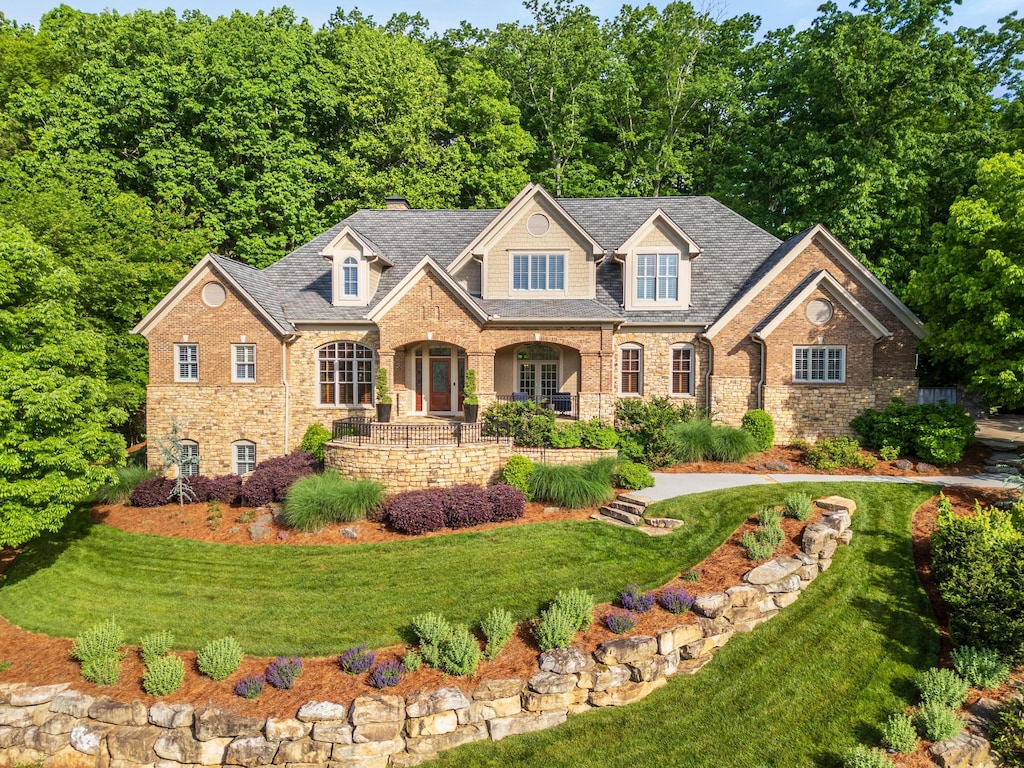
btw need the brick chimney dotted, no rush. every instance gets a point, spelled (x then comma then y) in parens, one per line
(396, 203)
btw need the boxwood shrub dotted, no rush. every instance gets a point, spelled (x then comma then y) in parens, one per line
(761, 427)
(517, 472)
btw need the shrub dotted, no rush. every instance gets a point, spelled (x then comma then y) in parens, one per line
(938, 433)
(356, 660)
(834, 453)
(863, 757)
(632, 476)
(1007, 734)
(568, 436)
(219, 658)
(416, 512)
(497, 628)
(760, 426)
(460, 653)
(567, 486)
(227, 489)
(467, 505)
(163, 675)
(730, 444)
(579, 604)
(898, 734)
(620, 622)
(315, 501)
(756, 549)
(99, 651)
(250, 687)
(675, 599)
(120, 491)
(313, 441)
(412, 660)
(642, 427)
(888, 453)
(635, 599)
(517, 472)
(981, 667)
(798, 506)
(937, 722)
(943, 686)
(692, 575)
(156, 645)
(433, 630)
(556, 628)
(598, 433)
(387, 674)
(152, 492)
(272, 478)
(283, 672)
(103, 670)
(976, 563)
(507, 503)
(528, 424)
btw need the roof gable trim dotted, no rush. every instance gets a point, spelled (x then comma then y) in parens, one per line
(634, 240)
(370, 251)
(825, 279)
(396, 294)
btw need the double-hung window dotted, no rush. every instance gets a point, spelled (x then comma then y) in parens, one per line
(186, 366)
(244, 364)
(819, 364)
(189, 458)
(245, 457)
(350, 278)
(657, 277)
(538, 272)
(682, 370)
(631, 370)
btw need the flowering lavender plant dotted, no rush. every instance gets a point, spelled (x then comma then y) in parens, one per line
(620, 622)
(282, 672)
(250, 687)
(387, 674)
(675, 600)
(356, 660)
(635, 599)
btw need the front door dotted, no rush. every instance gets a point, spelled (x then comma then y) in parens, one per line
(440, 384)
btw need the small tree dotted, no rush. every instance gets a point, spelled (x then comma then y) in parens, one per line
(469, 395)
(172, 452)
(383, 397)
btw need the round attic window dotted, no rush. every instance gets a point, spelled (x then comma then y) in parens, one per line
(214, 294)
(819, 311)
(538, 225)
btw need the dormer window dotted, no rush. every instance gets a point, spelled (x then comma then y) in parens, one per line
(350, 278)
(538, 272)
(657, 277)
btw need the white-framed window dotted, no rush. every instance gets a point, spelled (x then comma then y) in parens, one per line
(682, 370)
(189, 458)
(538, 371)
(538, 272)
(657, 277)
(631, 369)
(245, 457)
(243, 366)
(345, 374)
(350, 278)
(186, 362)
(819, 364)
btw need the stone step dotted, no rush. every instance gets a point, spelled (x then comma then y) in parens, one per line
(1003, 457)
(664, 522)
(650, 530)
(635, 498)
(623, 516)
(626, 506)
(1002, 469)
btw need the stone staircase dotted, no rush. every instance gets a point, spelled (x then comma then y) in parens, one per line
(630, 510)
(1004, 463)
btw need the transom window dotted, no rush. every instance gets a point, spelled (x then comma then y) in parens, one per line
(657, 277)
(189, 458)
(244, 362)
(630, 370)
(187, 362)
(245, 457)
(538, 272)
(682, 370)
(350, 277)
(346, 374)
(819, 364)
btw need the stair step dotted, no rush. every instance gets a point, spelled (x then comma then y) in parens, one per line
(664, 522)
(623, 516)
(628, 506)
(635, 498)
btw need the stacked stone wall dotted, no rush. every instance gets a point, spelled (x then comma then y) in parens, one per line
(58, 727)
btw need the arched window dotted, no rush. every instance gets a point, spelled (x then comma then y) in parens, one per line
(345, 374)
(189, 458)
(631, 369)
(350, 277)
(682, 369)
(245, 456)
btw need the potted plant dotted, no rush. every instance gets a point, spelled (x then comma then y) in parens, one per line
(470, 401)
(383, 398)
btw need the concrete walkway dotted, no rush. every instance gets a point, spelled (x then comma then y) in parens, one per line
(667, 486)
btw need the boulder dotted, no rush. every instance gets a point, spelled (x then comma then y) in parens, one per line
(368, 749)
(213, 723)
(525, 723)
(834, 503)
(322, 710)
(602, 678)
(69, 757)
(251, 751)
(30, 695)
(544, 702)
(712, 606)
(432, 725)
(838, 521)
(828, 550)
(382, 708)
(180, 746)
(550, 682)
(788, 584)
(675, 637)
(10, 737)
(845, 537)
(58, 724)
(565, 661)
(786, 599)
(428, 744)
(488, 710)
(35, 738)
(814, 538)
(87, 737)
(134, 744)
(20, 717)
(330, 731)
(286, 729)
(651, 669)
(408, 759)
(106, 710)
(302, 751)
(432, 702)
(626, 650)
(965, 751)
(498, 689)
(171, 715)
(772, 571)
(72, 703)
(744, 595)
(625, 694)
(369, 732)
(824, 564)
(808, 572)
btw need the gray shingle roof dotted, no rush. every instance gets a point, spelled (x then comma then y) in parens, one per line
(259, 285)
(734, 251)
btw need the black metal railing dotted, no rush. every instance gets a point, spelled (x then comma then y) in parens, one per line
(364, 431)
(564, 404)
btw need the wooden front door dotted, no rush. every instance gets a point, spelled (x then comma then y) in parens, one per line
(440, 384)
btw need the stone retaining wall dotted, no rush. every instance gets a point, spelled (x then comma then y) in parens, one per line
(60, 727)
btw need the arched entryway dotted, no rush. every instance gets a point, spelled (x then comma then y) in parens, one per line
(536, 371)
(436, 377)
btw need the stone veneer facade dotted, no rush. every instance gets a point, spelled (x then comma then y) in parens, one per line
(61, 728)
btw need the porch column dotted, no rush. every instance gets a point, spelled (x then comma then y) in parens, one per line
(597, 396)
(483, 364)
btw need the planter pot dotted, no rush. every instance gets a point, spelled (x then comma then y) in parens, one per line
(471, 412)
(383, 412)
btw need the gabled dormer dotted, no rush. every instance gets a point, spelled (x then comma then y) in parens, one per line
(656, 261)
(356, 266)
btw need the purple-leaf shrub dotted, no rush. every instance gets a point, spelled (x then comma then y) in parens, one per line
(466, 506)
(416, 512)
(283, 671)
(675, 599)
(356, 660)
(152, 492)
(387, 674)
(250, 687)
(272, 478)
(508, 503)
(620, 622)
(200, 485)
(635, 599)
(227, 489)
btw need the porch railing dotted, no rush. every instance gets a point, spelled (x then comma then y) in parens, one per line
(363, 431)
(562, 403)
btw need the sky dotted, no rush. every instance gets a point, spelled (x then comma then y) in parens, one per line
(444, 14)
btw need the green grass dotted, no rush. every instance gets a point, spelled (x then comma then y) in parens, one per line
(798, 691)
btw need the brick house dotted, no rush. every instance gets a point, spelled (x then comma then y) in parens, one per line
(597, 299)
